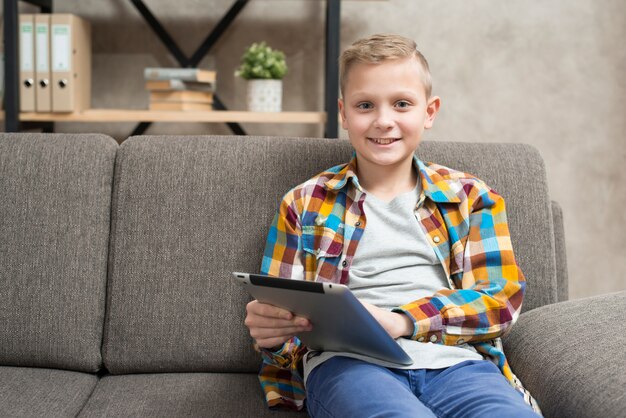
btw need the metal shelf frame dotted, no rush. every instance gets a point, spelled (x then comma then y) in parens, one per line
(11, 74)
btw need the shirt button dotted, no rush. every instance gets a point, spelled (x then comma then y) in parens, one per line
(344, 263)
(433, 338)
(358, 223)
(420, 339)
(460, 341)
(436, 239)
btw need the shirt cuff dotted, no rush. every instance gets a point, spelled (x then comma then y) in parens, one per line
(277, 357)
(427, 322)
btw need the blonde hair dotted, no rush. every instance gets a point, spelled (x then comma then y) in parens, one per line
(380, 47)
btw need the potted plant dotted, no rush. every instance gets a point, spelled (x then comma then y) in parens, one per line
(263, 68)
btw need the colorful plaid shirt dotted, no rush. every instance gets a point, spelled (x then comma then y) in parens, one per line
(317, 229)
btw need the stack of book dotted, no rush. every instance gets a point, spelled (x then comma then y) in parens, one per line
(180, 88)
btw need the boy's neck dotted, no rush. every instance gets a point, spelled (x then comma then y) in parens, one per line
(387, 182)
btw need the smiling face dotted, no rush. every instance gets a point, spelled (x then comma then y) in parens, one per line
(385, 111)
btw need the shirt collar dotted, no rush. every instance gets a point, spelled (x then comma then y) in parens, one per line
(347, 173)
(435, 186)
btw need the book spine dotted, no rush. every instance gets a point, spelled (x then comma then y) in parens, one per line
(176, 84)
(183, 74)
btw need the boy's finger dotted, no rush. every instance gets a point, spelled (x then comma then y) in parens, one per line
(272, 341)
(266, 333)
(267, 310)
(275, 323)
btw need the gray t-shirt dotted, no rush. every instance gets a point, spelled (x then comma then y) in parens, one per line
(394, 264)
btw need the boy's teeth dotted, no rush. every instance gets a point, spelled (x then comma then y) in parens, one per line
(383, 141)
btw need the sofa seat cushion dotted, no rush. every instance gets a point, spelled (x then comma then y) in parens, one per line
(31, 392)
(570, 355)
(180, 394)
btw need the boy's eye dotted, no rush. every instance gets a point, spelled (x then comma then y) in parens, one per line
(364, 106)
(403, 104)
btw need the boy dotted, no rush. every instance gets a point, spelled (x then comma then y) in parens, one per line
(425, 248)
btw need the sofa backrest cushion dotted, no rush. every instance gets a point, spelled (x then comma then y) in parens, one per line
(187, 211)
(55, 197)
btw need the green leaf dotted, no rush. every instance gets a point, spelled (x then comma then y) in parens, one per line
(261, 61)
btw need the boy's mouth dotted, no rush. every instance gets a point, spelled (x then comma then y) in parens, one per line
(383, 141)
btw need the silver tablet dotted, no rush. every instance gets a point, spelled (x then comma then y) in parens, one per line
(340, 322)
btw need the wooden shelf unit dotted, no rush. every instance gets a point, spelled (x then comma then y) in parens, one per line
(14, 119)
(133, 115)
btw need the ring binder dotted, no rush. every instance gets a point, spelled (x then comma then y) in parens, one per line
(70, 45)
(43, 99)
(27, 62)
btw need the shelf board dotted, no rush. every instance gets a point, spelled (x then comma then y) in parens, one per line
(135, 115)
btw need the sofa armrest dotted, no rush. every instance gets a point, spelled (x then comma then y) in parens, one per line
(570, 356)
(562, 288)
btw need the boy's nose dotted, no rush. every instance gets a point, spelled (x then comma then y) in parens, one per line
(383, 120)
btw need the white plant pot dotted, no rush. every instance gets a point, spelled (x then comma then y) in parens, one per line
(265, 95)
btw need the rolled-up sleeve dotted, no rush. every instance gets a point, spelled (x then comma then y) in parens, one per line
(490, 298)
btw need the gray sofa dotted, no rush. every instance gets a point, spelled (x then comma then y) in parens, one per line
(115, 290)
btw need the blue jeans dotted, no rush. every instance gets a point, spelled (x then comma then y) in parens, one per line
(345, 387)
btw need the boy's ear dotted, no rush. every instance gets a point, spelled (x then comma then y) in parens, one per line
(431, 111)
(342, 113)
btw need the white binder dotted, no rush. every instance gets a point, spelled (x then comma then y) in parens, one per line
(27, 62)
(43, 98)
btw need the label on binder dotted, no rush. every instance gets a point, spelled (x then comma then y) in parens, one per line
(41, 47)
(26, 47)
(61, 48)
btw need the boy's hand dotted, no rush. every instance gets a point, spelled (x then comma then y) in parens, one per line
(271, 326)
(396, 324)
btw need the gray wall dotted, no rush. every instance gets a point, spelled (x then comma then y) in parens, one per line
(550, 74)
